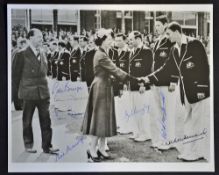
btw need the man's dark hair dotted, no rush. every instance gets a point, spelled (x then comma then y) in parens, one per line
(175, 26)
(137, 34)
(32, 32)
(121, 35)
(76, 38)
(84, 38)
(162, 19)
(14, 43)
(54, 43)
(62, 44)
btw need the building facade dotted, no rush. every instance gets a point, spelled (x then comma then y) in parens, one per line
(76, 21)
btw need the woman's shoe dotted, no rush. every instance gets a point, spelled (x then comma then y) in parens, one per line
(94, 159)
(102, 155)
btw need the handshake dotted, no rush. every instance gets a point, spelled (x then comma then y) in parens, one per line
(144, 80)
(141, 81)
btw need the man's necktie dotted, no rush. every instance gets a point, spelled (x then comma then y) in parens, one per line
(38, 54)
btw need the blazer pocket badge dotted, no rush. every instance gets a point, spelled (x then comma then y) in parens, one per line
(137, 64)
(163, 54)
(190, 65)
(122, 65)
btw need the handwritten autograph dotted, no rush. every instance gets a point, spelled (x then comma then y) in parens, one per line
(134, 111)
(188, 137)
(72, 114)
(79, 140)
(59, 88)
(164, 117)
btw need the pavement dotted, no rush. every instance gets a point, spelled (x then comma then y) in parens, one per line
(73, 145)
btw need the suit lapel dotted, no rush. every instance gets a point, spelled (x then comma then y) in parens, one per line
(164, 41)
(136, 53)
(183, 52)
(176, 56)
(155, 47)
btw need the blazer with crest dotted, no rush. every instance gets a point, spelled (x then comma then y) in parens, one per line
(75, 64)
(192, 70)
(160, 56)
(82, 64)
(29, 75)
(54, 62)
(52, 58)
(88, 66)
(140, 65)
(123, 60)
(113, 54)
(63, 63)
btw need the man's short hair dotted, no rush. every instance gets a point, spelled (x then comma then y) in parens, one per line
(76, 38)
(61, 43)
(84, 38)
(121, 35)
(137, 34)
(175, 26)
(162, 19)
(32, 32)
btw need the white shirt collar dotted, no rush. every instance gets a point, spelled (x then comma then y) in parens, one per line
(183, 41)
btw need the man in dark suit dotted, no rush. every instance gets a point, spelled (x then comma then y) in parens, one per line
(75, 58)
(113, 54)
(190, 59)
(21, 44)
(52, 54)
(163, 91)
(63, 62)
(140, 64)
(29, 77)
(53, 57)
(89, 73)
(83, 41)
(121, 101)
(123, 55)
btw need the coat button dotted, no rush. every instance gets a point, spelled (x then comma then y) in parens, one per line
(33, 70)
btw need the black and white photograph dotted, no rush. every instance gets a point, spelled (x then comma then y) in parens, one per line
(110, 88)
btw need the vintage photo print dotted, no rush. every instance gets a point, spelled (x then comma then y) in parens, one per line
(110, 88)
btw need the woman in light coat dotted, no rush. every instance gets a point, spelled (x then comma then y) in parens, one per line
(99, 119)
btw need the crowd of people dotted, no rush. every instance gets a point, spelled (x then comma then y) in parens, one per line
(112, 63)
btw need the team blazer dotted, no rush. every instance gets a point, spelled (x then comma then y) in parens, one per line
(192, 70)
(161, 54)
(140, 65)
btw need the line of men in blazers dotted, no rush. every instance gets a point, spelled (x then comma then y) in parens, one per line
(172, 69)
(165, 81)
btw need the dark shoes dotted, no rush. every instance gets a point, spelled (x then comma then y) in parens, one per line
(51, 151)
(30, 150)
(93, 159)
(101, 155)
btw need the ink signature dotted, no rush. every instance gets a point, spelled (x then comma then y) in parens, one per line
(72, 114)
(78, 141)
(68, 86)
(164, 117)
(188, 137)
(134, 111)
